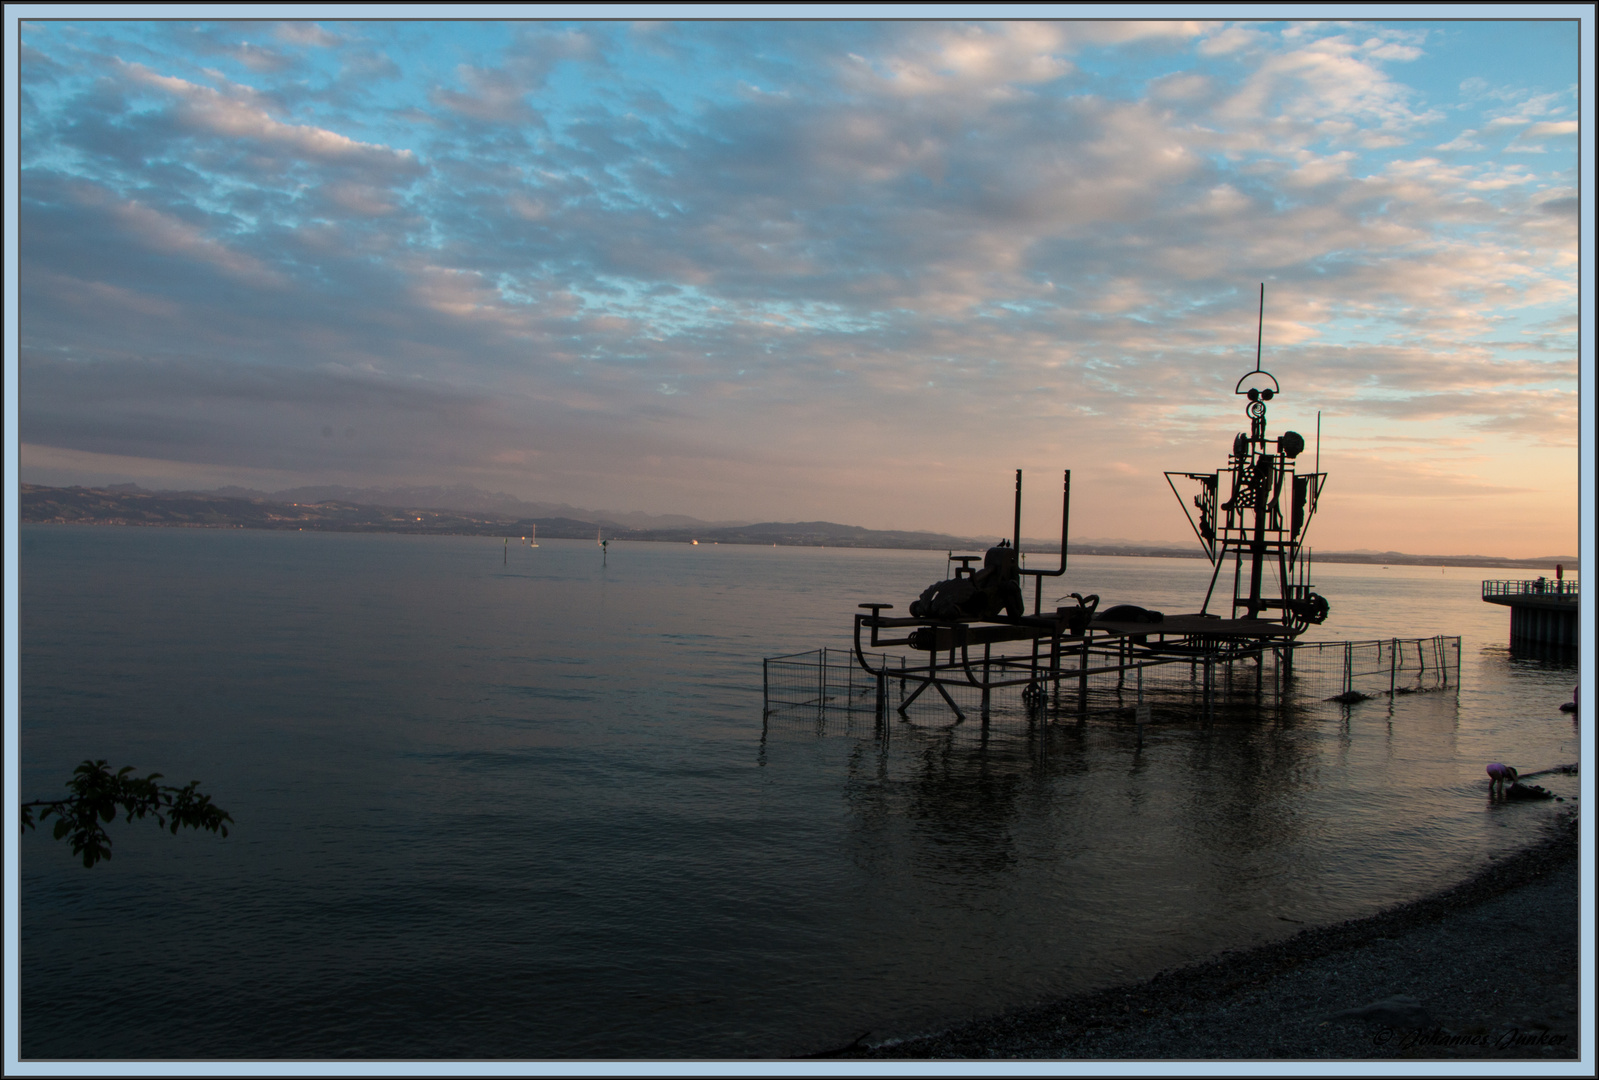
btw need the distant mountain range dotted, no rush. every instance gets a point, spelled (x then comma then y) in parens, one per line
(455, 497)
(480, 513)
(320, 510)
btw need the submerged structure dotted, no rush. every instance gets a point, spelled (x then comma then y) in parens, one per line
(1543, 613)
(972, 635)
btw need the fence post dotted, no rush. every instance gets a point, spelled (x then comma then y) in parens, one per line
(1349, 662)
(986, 648)
(766, 690)
(1082, 681)
(1393, 666)
(1054, 666)
(821, 681)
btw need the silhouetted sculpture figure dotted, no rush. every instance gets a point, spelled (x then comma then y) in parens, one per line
(983, 595)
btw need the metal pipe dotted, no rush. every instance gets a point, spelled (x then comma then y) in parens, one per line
(1016, 534)
(1065, 523)
(1038, 576)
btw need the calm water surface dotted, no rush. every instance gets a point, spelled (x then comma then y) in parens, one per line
(530, 809)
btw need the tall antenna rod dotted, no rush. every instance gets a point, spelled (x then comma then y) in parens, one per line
(1261, 325)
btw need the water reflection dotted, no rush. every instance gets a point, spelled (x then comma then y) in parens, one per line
(1259, 820)
(1551, 656)
(548, 792)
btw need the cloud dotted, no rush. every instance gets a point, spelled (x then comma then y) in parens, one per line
(1232, 39)
(236, 414)
(490, 95)
(1524, 139)
(1466, 140)
(1182, 87)
(164, 234)
(257, 58)
(989, 60)
(238, 115)
(1328, 88)
(498, 94)
(713, 268)
(307, 33)
(1550, 127)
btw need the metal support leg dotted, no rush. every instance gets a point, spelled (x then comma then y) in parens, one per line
(960, 717)
(916, 693)
(1082, 680)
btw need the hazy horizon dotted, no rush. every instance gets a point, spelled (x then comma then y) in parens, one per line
(501, 503)
(853, 271)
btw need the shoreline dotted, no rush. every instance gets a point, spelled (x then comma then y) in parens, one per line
(1484, 969)
(199, 511)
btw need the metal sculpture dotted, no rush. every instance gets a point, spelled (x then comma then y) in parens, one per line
(1256, 510)
(1254, 526)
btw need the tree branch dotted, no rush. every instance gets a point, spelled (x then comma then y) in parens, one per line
(98, 795)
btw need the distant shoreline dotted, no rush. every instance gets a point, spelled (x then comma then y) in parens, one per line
(93, 506)
(1449, 561)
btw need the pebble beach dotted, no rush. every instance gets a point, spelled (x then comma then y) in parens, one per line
(1486, 969)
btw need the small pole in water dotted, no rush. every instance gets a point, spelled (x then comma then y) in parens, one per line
(1141, 710)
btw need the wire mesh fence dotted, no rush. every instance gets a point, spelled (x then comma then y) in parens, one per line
(1365, 669)
(820, 678)
(1111, 682)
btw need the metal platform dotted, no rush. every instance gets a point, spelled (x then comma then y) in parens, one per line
(1042, 652)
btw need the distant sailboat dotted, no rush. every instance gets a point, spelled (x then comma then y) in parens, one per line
(533, 541)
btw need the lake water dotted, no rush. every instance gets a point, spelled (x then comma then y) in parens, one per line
(513, 803)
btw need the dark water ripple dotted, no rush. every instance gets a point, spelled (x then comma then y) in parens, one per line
(530, 811)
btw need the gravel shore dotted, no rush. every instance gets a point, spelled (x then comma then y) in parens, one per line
(1487, 969)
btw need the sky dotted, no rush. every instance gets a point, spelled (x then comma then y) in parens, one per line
(856, 271)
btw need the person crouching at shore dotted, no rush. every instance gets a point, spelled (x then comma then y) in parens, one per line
(1497, 775)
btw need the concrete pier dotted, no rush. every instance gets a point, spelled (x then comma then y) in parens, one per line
(1542, 611)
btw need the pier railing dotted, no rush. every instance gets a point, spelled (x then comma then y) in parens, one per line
(1551, 588)
(1119, 687)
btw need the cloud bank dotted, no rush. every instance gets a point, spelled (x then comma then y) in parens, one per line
(854, 271)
